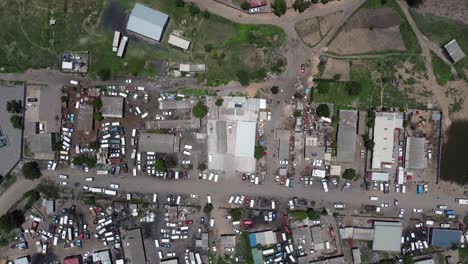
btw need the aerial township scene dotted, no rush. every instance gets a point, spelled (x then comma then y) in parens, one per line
(233, 131)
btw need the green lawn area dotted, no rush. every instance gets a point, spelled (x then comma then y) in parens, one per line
(369, 95)
(442, 30)
(243, 247)
(298, 214)
(463, 254)
(78, 29)
(441, 70)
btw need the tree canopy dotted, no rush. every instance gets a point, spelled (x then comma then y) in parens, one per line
(200, 110)
(243, 77)
(16, 121)
(12, 220)
(259, 152)
(84, 160)
(279, 7)
(350, 174)
(31, 170)
(14, 106)
(274, 89)
(219, 102)
(323, 110)
(160, 165)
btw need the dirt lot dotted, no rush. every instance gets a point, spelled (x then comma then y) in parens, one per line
(454, 9)
(334, 67)
(370, 30)
(312, 30)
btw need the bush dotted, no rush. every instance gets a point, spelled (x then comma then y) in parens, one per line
(350, 174)
(208, 47)
(31, 170)
(180, 3)
(279, 7)
(259, 152)
(14, 106)
(200, 110)
(371, 123)
(415, 3)
(104, 74)
(194, 10)
(312, 214)
(201, 166)
(98, 116)
(324, 212)
(83, 160)
(236, 214)
(219, 102)
(208, 208)
(97, 103)
(337, 77)
(244, 5)
(16, 121)
(274, 90)
(160, 165)
(206, 14)
(323, 110)
(297, 113)
(243, 77)
(325, 1)
(12, 220)
(368, 143)
(301, 5)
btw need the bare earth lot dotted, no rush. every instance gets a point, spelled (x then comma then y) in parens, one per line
(312, 30)
(334, 67)
(370, 30)
(453, 9)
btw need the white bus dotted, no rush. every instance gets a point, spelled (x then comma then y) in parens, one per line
(325, 185)
(461, 201)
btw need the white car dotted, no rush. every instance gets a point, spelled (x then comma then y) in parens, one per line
(114, 185)
(277, 178)
(417, 210)
(402, 212)
(63, 183)
(385, 205)
(252, 178)
(283, 162)
(418, 225)
(185, 162)
(195, 196)
(85, 187)
(254, 10)
(63, 176)
(128, 81)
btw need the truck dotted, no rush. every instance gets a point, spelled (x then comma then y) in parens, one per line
(420, 189)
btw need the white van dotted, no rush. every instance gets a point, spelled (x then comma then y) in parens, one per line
(373, 198)
(134, 172)
(62, 176)
(339, 206)
(208, 199)
(137, 110)
(186, 153)
(231, 199)
(134, 132)
(176, 175)
(325, 185)
(216, 178)
(160, 254)
(237, 200)
(155, 198)
(187, 147)
(143, 116)
(252, 203)
(403, 189)
(212, 223)
(273, 205)
(89, 179)
(73, 82)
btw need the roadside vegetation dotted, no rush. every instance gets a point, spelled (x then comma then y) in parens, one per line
(31, 170)
(441, 70)
(243, 248)
(442, 30)
(28, 41)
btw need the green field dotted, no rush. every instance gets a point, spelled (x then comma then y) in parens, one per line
(363, 73)
(78, 28)
(440, 69)
(442, 30)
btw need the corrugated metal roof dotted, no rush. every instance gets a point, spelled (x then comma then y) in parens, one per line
(387, 236)
(245, 139)
(178, 42)
(454, 51)
(347, 135)
(445, 237)
(147, 22)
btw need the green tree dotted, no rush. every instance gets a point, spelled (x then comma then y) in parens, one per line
(97, 103)
(16, 121)
(244, 5)
(312, 214)
(415, 3)
(301, 5)
(180, 3)
(208, 47)
(200, 110)
(350, 174)
(337, 77)
(259, 152)
(160, 165)
(274, 90)
(408, 259)
(324, 212)
(194, 9)
(201, 166)
(323, 110)
(371, 114)
(11, 220)
(31, 170)
(57, 146)
(208, 208)
(14, 106)
(371, 123)
(260, 74)
(206, 14)
(243, 77)
(297, 113)
(219, 102)
(104, 74)
(93, 145)
(236, 214)
(98, 116)
(279, 7)
(325, 1)
(83, 160)
(353, 88)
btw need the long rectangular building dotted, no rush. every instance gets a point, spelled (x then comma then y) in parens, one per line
(386, 124)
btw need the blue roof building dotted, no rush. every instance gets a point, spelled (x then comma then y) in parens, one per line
(445, 238)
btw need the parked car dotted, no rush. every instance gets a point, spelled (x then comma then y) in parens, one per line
(254, 10)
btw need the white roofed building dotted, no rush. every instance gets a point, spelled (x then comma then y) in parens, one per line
(386, 124)
(178, 42)
(147, 22)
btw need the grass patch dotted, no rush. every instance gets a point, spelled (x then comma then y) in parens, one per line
(298, 214)
(463, 254)
(442, 30)
(78, 29)
(441, 70)
(243, 248)
(236, 214)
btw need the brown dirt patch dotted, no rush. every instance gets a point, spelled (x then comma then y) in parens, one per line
(312, 30)
(370, 30)
(334, 67)
(253, 57)
(454, 9)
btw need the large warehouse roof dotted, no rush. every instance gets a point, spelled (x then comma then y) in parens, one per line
(347, 130)
(283, 137)
(416, 155)
(445, 237)
(384, 129)
(263, 238)
(159, 143)
(245, 139)
(387, 236)
(133, 246)
(112, 106)
(147, 22)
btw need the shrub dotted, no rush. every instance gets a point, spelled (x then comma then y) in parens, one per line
(298, 214)
(84, 160)
(236, 214)
(301, 5)
(323, 110)
(353, 88)
(12, 220)
(14, 106)
(199, 110)
(104, 74)
(243, 77)
(194, 10)
(160, 165)
(97, 103)
(350, 174)
(279, 7)
(206, 14)
(31, 170)
(244, 5)
(16, 121)
(259, 152)
(98, 116)
(208, 208)
(274, 90)
(312, 214)
(297, 113)
(219, 102)
(415, 3)
(208, 47)
(201, 166)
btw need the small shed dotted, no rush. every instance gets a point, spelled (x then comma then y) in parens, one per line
(454, 51)
(178, 42)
